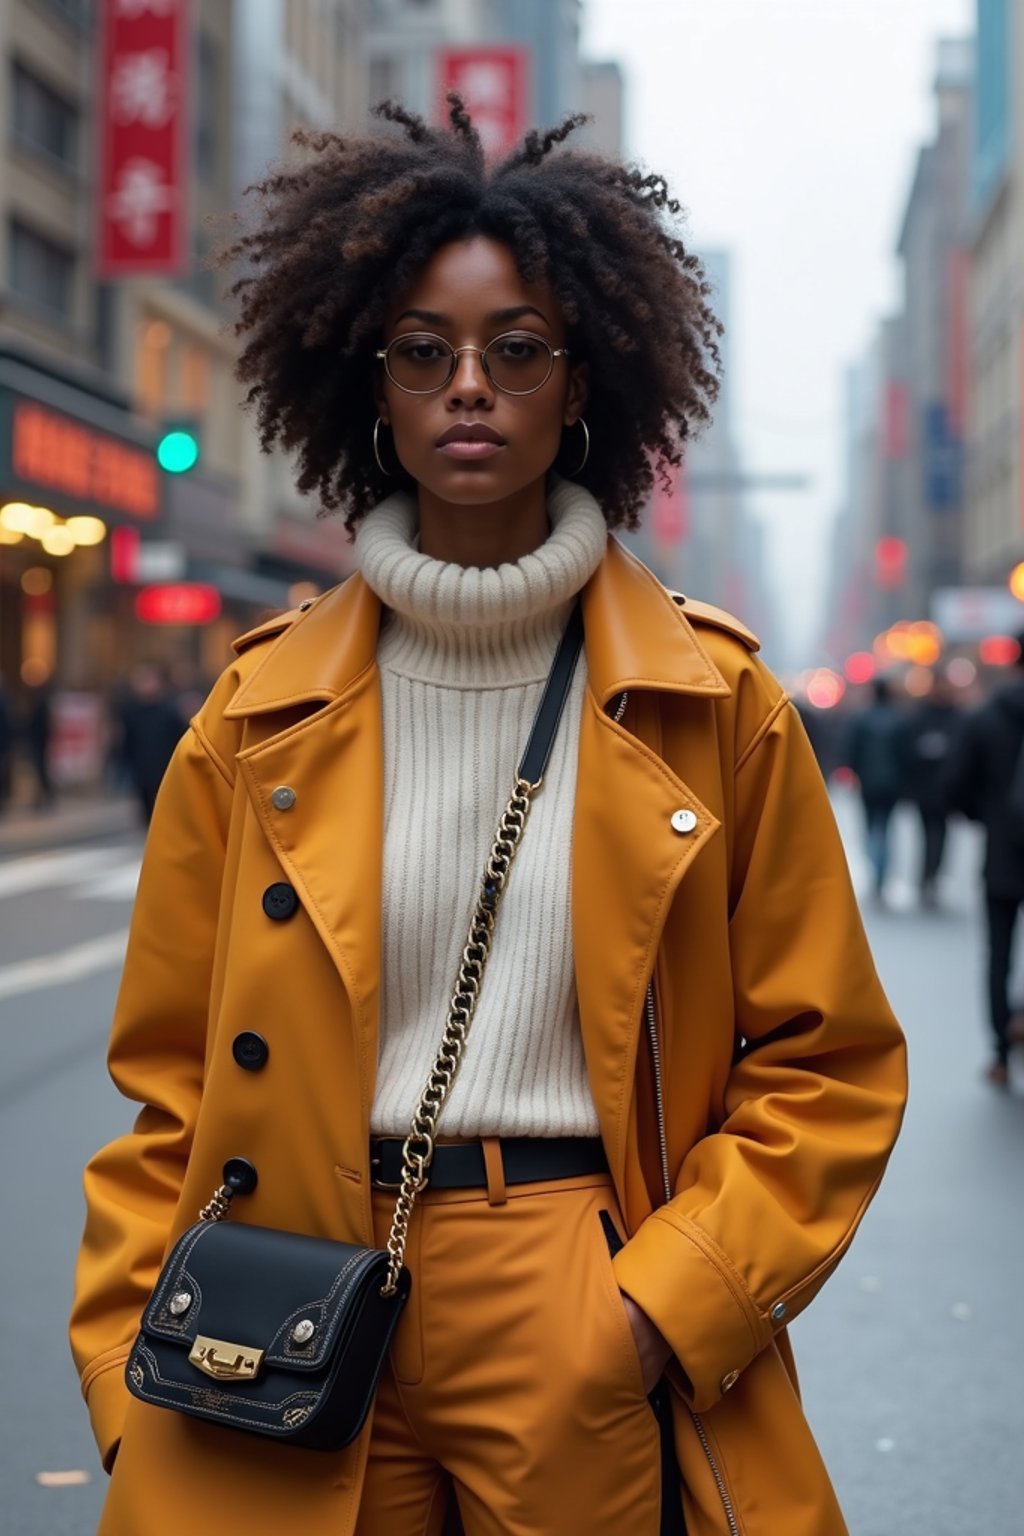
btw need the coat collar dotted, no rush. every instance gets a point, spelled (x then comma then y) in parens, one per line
(636, 638)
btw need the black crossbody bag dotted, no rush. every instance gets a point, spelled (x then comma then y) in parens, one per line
(283, 1335)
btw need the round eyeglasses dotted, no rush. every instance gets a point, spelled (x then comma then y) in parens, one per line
(517, 363)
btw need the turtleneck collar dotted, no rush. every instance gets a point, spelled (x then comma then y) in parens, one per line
(468, 627)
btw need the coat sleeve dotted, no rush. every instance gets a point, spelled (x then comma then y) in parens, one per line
(765, 1207)
(156, 1058)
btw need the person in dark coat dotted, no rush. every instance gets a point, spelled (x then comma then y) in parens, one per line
(6, 745)
(877, 754)
(932, 731)
(151, 727)
(38, 734)
(985, 763)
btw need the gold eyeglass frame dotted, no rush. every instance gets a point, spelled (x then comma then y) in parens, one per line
(554, 352)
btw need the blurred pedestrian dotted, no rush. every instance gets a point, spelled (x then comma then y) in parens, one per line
(6, 746)
(877, 754)
(38, 735)
(674, 1088)
(931, 732)
(150, 729)
(986, 783)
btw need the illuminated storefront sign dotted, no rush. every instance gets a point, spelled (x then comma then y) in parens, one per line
(49, 456)
(183, 602)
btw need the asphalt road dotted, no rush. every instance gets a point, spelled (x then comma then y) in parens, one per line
(909, 1358)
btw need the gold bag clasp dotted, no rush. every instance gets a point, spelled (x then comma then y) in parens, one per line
(224, 1361)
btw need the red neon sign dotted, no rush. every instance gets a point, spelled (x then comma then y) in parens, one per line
(142, 216)
(182, 602)
(54, 451)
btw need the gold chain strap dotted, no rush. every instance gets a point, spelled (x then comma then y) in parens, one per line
(219, 1204)
(418, 1149)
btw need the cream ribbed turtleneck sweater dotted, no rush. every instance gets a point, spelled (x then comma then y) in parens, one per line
(463, 657)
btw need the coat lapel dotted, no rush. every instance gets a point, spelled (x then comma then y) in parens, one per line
(329, 840)
(628, 857)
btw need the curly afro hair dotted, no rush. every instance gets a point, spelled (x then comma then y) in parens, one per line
(343, 233)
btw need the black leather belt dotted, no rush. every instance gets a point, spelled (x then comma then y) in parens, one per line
(460, 1165)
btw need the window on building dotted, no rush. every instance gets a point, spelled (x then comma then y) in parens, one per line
(194, 380)
(41, 270)
(41, 117)
(207, 109)
(152, 366)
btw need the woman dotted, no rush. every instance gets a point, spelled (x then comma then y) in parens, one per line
(683, 1078)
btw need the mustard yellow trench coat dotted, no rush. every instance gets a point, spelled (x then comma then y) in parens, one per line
(783, 1067)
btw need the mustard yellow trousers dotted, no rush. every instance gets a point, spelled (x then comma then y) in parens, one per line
(514, 1376)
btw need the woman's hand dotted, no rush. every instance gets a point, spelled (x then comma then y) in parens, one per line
(654, 1352)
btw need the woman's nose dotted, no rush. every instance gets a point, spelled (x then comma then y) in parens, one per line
(469, 384)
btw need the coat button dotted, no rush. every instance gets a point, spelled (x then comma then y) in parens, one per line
(729, 1380)
(280, 902)
(684, 821)
(283, 798)
(240, 1176)
(250, 1050)
(779, 1311)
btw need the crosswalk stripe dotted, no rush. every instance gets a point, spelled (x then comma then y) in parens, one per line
(52, 869)
(68, 965)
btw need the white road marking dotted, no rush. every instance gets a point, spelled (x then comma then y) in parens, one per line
(118, 884)
(67, 965)
(50, 869)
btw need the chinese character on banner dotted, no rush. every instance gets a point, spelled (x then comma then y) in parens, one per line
(142, 101)
(494, 84)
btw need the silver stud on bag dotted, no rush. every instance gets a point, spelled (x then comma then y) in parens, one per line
(303, 1332)
(179, 1303)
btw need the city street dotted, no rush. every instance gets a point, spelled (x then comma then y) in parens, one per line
(909, 1357)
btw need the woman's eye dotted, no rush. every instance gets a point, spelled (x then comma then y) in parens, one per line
(420, 351)
(518, 349)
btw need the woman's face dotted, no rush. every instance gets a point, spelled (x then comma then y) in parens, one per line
(468, 442)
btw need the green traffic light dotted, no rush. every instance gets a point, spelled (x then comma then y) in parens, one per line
(177, 452)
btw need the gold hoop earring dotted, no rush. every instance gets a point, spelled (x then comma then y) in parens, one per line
(388, 473)
(586, 448)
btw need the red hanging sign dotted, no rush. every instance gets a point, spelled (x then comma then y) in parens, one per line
(670, 512)
(142, 100)
(494, 84)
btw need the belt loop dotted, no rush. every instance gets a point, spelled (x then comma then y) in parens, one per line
(495, 1169)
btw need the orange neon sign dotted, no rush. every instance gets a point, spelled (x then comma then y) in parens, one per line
(53, 451)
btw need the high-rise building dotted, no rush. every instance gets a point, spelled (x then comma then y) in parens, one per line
(704, 540)
(994, 540)
(934, 370)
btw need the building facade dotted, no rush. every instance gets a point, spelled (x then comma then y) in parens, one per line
(994, 529)
(93, 371)
(934, 257)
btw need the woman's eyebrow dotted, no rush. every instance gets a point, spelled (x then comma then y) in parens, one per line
(497, 317)
(504, 316)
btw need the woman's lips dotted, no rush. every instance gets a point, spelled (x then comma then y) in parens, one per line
(469, 449)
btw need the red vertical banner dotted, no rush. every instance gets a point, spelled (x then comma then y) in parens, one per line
(142, 101)
(670, 508)
(494, 84)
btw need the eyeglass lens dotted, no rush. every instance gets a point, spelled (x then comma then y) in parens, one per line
(516, 363)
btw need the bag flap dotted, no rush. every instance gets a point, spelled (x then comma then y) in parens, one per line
(252, 1285)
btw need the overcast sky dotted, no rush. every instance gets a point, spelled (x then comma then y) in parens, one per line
(789, 130)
